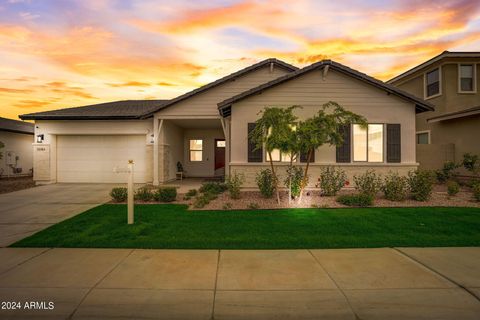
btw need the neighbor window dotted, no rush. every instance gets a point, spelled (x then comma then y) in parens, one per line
(423, 138)
(196, 150)
(368, 143)
(278, 156)
(432, 83)
(467, 77)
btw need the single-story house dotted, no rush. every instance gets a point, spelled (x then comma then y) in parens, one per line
(206, 130)
(16, 137)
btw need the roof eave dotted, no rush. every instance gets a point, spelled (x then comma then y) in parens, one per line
(46, 117)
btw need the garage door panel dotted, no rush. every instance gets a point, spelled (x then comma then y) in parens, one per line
(92, 158)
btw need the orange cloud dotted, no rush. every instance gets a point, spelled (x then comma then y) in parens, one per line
(28, 104)
(165, 84)
(11, 90)
(130, 84)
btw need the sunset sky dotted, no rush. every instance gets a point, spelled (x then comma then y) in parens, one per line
(57, 54)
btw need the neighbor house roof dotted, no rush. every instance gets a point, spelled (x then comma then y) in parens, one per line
(420, 104)
(16, 126)
(455, 115)
(117, 110)
(441, 56)
(230, 77)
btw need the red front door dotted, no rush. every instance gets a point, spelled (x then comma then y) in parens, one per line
(219, 153)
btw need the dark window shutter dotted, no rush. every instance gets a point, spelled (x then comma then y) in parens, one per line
(394, 148)
(343, 151)
(304, 155)
(253, 155)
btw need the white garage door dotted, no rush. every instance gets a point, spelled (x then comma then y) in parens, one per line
(92, 158)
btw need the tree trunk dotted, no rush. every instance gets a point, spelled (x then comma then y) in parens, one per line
(290, 180)
(275, 176)
(305, 175)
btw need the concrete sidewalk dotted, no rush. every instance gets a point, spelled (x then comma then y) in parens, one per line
(404, 283)
(28, 211)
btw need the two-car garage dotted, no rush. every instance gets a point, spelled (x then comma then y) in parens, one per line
(92, 158)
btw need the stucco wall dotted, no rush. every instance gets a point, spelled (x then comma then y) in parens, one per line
(310, 91)
(205, 103)
(21, 145)
(204, 168)
(172, 142)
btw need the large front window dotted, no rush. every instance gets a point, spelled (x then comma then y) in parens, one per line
(432, 83)
(368, 143)
(196, 150)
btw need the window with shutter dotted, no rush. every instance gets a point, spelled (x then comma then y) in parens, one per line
(343, 151)
(394, 153)
(304, 155)
(254, 155)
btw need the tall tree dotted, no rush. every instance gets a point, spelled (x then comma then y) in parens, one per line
(274, 130)
(324, 128)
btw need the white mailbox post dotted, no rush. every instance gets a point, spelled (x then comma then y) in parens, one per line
(130, 191)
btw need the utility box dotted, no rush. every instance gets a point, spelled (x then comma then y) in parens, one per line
(10, 158)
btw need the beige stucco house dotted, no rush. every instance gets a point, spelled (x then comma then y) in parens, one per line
(450, 82)
(17, 138)
(206, 130)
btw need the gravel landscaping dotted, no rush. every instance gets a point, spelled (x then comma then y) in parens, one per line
(15, 184)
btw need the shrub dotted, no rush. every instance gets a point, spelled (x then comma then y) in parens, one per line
(253, 206)
(452, 188)
(368, 183)
(356, 200)
(447, 172)
(421, 184)
(234, 183)
(203, 199)
(331, 180)
(191, 193)
(266, 183)
(143, 194)
(476, 191)
(471, 162)
(395, 187)
(227, 206)
(119, 194)
(296, 175)
(213, 187)
(165, 194)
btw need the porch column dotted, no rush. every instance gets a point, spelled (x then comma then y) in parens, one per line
(157, 127)
(226, 132)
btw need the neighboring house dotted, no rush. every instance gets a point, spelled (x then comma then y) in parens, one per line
(450, 82)
(17, 137)
(206, 130)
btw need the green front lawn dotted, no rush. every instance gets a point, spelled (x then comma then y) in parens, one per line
(172, 226)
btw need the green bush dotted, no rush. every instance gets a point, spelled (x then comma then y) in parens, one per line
(421, 184)
(452, 188)
(234, 183)
(165, 194)
(476, 191)
(119, 194)
(203, 199)
(331, 180)
(356, 200)
(395, 187)
(253, 206)
(191, 193)
(368, 183)
(266, 183)
(447, 172)
(213, 187)
(471, 162)
(227, 206)
(296, 174)
(143, 194)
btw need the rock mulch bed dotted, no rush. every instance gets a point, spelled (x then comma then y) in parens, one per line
(15, 184)
(312, 199)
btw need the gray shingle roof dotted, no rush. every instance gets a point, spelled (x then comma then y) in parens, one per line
(126, 109)
(16, 126)
(421, 105)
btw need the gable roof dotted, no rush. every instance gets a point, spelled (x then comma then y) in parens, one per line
(116, 110)
(441, 56)
(16, 126)
(420, 104)
(220, 81)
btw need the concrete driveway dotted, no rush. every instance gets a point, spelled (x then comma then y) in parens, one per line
(25, 212)
(405, 283)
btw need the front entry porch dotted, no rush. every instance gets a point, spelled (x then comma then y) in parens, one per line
(196, 147)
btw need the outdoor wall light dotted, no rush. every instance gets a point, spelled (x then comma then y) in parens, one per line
(40, 138)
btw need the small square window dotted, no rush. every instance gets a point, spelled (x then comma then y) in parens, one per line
(220, 143)
(423, 138)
